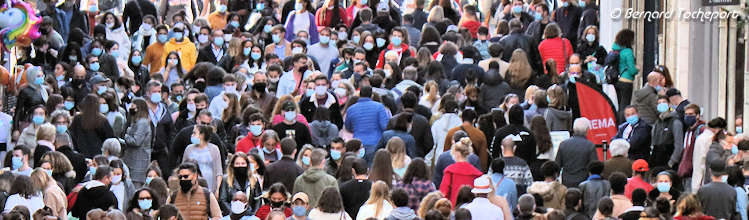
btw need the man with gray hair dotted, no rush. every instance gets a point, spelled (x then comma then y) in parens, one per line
(526, 207)
(410, 74)
(618, 161)
(575, 154)
(516, 168)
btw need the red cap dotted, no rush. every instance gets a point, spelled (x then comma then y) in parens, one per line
(640, 165)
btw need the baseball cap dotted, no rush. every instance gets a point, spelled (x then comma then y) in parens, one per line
(300, 195)
(97, 79)
(481, 185)
(640, 165)
(288, 106)
(672, 92)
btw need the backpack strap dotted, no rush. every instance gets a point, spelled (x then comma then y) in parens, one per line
(173, 197)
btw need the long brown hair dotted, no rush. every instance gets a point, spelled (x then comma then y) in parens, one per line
(233, 109)
(90, 115)
(520, 70)
(382, 168)
(541, 133)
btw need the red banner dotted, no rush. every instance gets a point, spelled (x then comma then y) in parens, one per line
(596, 107)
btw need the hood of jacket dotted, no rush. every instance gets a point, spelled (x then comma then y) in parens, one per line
(617, 47)
(516, 116)
(312, 175)
(403, 213)
(320, 126)
(559, 114)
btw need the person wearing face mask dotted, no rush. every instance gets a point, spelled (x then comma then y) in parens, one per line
(239, 208)
(20, 161)
(664, 186)
(518, 10)
(590, 48)
(218, 104)
(322, 97)
(192, 200)
(206, 155)
(637, 132)
(575, 71)
(162, 124)
(541, 17)
(98, 60)
(143, 204)
(324, 51)
(299, 206)
(95, 193)
(717, 197)
(139, 132)
(290, 127)
(217, 18)
(291, 82)
(155, 51)
(301, 19)
(723, 148)
(116, 32)
(32, 95)
(238, 180)
(260, 97)
(215, 51)
(183, 138)
(399, 44)
(121, 185)
(667, 135)
(181, 44)
(694, 127)
(277, 197)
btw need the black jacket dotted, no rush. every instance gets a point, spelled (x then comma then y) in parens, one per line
(589, 17)
(109, 67)
(79, 162)
(354, 193)
(639, 140)
(78, 92)
(420, 130)
(89, 141)
(206, 54)
(284, 171)
(134, 12)
(93, 198)
(516, 40)
(568, 19)
(493, 90)
(595, 50)
(307, 108)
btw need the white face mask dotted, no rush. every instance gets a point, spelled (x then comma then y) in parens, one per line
(238, 207)
(116, 179)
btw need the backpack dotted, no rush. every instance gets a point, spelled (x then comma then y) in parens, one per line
(611, 69)
(207, 194)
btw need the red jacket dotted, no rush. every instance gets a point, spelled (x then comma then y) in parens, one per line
(554, 49)
(634, 183)
(247, 143)
(457, 175)
(473, 27)
(324, 20)
(381, 58)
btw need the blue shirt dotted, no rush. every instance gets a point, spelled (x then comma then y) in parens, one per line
(367, 119)
(505, 187)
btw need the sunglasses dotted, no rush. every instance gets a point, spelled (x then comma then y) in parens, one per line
(183, 176)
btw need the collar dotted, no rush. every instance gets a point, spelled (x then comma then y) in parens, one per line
(46, 143)
(328, 101)
(594, 177)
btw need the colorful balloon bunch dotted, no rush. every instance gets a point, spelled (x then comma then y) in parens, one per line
(19, 24)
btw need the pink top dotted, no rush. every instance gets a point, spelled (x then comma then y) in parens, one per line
(299, 117)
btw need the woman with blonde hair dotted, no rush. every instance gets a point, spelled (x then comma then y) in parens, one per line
(528, 103)
(302, 158)
(378, 205)
(278, 118)
(62, 169)
(400, 160)
(436, 15)
(443, 206)
(52, 194)
(559, 117)
(431, 94)
(461, 172)
(45, 139)
(519, 71)
(427, 203)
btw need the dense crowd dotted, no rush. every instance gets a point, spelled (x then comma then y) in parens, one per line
(363, 109)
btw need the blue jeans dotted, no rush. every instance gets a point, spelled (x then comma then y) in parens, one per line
(369, 153)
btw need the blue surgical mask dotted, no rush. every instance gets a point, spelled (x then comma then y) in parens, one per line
(194, 140)
(16, 163)
(37, 119)
(61, 128)
(517, 9)
(361, 153)
(103, 108)
(590, 37)
(724, 178)
(267, 151)
(92, 170)
(565, 4)
(734, 149)
(658, 88)
(260, 6)
(689, 120)
(363, 2)
(309, 92)
(256, 130)
(115, 53)
(38, 80)
(289, 116)
(178, 35)
(380, 42)
(581, 4)
(324, 39)
(267, 28)
(633, 119)
(276, 38)
(246, 51)
(739, 129)
(94, 66)
(148, 180)
(222, 8)
(305, 160)
(155, 97)
(538, 17)
(395, 40)
(663, 187)
(49, 172)
(662, 107)
(356, 39)
(299, 211)
(163, 38)
(335, 155)
(60, 77)
(368, 46)
(136, 59)
(255, 56)
(144, 204)
(234, 24)
(96, 51)
(298, 6)
(69, 105)
(101, 90)
(218, 41)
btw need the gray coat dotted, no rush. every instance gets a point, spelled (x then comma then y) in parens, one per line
(645, 101)
(593, 190)
(573, 157)
(137, 149)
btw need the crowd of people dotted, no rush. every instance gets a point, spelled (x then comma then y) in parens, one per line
(363, 109)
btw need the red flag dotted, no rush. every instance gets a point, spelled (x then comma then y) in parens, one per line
(594, 105)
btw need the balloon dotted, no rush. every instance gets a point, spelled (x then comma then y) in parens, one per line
(20, 24)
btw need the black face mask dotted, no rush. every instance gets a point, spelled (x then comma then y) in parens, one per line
(259, 87)
(303, 69)
(44, 30)
(78, 82)
(185, 185)
(276, 204)
(200, 86)
(240, 172)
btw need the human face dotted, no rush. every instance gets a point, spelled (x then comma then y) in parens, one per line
(19, 153)
(201, 105)
(240, 162)
(185, 174)
(257, 123)
(254, 164)
(40, 112)
(110, 19)
(269, 144)
(513, 101)
(196, 133)
(203, 119)
(144, 195)
(240, 196)
(663, 179)
(152, 174)
(300, 63)
(163, 31)
(46, 166)
(61, 121)
(575, 60)
(630, 112)
(277, 197)
(117, 171)
(337, 146)
(59, 70)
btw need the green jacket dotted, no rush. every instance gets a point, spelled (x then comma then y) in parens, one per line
(312, 182)
(627, 68)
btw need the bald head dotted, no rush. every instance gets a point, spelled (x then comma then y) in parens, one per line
(654, 79)
(79, 71)
(508, 146)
